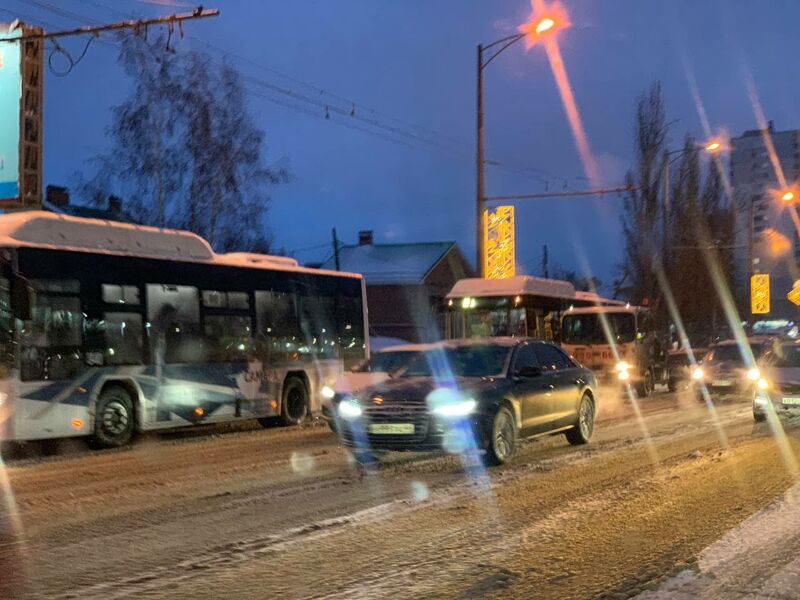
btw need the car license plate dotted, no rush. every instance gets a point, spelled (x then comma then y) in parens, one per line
(392, 428)
(791, 401)
(722, 383)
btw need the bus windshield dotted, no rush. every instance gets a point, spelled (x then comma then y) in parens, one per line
(588, 328)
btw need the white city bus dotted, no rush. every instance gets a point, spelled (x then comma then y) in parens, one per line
(107, 329)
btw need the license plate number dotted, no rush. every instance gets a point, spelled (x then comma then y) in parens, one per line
(392, 428)
(791, 401)
(721, 383)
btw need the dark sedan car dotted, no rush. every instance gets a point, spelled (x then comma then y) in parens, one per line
(467, 396)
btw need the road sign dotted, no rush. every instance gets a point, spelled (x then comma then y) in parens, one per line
(794, 295)
(498, 243)
(759, 294)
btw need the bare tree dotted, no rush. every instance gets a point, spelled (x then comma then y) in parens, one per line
(185, 150)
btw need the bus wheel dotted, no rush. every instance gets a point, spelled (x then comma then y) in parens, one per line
(113, 418)
(294, 405)
(645, 387)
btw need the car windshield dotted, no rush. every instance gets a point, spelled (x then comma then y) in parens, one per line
(787, 356)
(482, 360)
(731, 353)
(386, 362)
(588, 328)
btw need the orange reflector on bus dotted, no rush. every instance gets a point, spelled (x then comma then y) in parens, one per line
(80, 390)
(76, 423)
(199, 411)
(273, 405)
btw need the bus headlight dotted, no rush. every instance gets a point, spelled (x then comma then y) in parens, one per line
(624, 375)
(763, 384)
(349, 409)
(754, 374)
(456, 409)
(327, 392)
(697, 374)
(623, 366)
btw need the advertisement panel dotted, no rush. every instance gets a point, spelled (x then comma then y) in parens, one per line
(10, 98)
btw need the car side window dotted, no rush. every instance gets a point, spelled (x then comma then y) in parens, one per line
(525, 357)
(551, 358)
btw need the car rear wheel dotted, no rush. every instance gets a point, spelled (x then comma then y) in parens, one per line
(645, 387)
(294, 405)
(582, 432)
(503, 439)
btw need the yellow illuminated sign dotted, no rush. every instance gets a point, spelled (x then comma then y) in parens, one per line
(499, 258)
(759, 294)
(794, 295)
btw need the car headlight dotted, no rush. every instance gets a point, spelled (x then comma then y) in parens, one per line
(349, 409)
(327, 392)
(754, 374)
(623, 366)
(624, 375)
(763, 384)
(697, 373)
(456, 409)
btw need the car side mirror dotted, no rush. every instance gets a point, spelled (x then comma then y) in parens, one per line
(529, 372)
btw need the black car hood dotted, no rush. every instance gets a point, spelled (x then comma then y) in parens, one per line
(417, 388)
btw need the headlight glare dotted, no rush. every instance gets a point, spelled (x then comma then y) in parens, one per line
(327, 392)
(349, 409)
(623, 366)
(754, 374)
(456, 409)
(763, 384)
(697, 373)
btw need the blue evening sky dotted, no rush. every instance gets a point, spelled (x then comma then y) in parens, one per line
(414, 60)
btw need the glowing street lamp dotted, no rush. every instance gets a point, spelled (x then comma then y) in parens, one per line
(788, 196)
(713, 146)
(545, 25)
(545, 20)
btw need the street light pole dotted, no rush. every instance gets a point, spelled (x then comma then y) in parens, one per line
(480, 164)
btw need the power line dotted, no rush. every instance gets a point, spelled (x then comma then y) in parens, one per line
(594, 192)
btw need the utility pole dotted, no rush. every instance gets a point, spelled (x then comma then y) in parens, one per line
(665, 210)
(545, 271)
(480, 164)
(336, 250)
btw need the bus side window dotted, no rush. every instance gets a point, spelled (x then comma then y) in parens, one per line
(277, 322)
(173, 312)
(123, 334)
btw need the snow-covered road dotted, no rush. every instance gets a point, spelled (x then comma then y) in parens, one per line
(247, 513)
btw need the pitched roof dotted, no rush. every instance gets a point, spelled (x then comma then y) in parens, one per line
(391, 263)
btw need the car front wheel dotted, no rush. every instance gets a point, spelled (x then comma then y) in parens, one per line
(503, 438)
(582, 432)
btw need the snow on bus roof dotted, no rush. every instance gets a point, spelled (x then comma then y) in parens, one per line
(42, 229)
(520, 285)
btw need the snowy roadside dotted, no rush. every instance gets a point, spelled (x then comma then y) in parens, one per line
(760, 558)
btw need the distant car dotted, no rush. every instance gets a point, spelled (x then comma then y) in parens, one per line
(679, 367)
(777, 388)
(380, 366)
(465, 396)
(726, 371)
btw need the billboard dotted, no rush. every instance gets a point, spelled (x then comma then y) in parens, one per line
(10, 99)
(498, 243)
